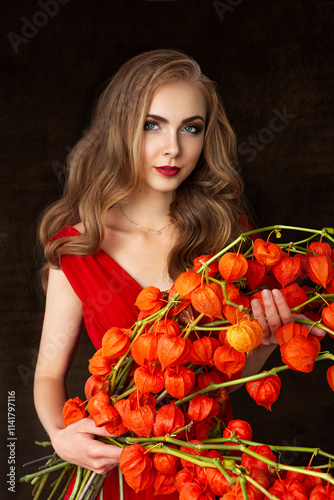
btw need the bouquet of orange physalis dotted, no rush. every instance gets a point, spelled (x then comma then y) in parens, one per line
(160, 388)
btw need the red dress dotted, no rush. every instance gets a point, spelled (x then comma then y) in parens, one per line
(108, 294)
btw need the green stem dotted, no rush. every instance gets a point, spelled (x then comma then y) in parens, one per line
(242, 481)
(316, 297)
(86, 475)
(260, 488)
(121, 484)
(221, 469)
(315, 323)
(243, 380)
(77, 483)
(57, 483)
(41, 486)
(278, 466)
(191, 325)
(63, 493)
(243, 236)
(124, 395)
(28, 477)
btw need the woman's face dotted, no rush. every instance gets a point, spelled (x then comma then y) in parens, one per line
(173, 135)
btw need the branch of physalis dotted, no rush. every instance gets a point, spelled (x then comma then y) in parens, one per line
(243, 237)
(243, 380)
(279, 466)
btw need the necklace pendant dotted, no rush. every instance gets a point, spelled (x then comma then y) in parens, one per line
(158, 233)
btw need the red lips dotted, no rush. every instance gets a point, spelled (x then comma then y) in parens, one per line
(167, 170)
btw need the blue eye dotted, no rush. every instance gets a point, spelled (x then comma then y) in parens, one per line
(192, 129)
(150, 125)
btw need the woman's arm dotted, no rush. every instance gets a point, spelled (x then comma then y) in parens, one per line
(60, 336)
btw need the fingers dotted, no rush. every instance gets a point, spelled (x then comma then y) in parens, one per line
(77, 444)
(92, 429)
(276, 313)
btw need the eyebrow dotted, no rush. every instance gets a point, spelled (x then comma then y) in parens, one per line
(186, 120)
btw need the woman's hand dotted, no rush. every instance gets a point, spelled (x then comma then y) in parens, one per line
(276, 314)
(76, 443)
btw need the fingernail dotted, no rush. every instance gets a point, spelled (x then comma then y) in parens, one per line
(256, 304)
(265, 294)
(276, 293)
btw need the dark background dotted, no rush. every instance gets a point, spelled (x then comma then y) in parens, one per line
(270, 58)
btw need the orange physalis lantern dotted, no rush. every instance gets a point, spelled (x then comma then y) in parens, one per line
(212, 268)
(94, 384)
(73, 411)
(232, 292)
(255, 274)
(163, 483)
(141, 421)
(264, 391)
(330, 377)
(145, 349)
(320, 269)
(211, 377)
(149, 379)
(136, 466)
(149, 300)
(168, 326)
(168, 419)
(180, 304)
(98, 402)
(327, 315)
(238, 428)
(245, 335)
(267, 253)
(218, 483)
(232, 266)
(186, 283)
(285, 332)
(172, 350)
(320, 248)
(107, 415)
(299, 354)
(264, 450)
(202, 350)
(192, 451)
(99, 364)
(294, 295)
(228, 360)
(202, 407)
(194, 491)
(164, 462)
(208, 299)
(234, 314)
(179, 381)
(288, 488)
(287, 270)
(115, 343)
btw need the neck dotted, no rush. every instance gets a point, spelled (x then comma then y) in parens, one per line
(150, 209)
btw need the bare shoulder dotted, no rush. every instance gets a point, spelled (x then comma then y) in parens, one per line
(80, 227)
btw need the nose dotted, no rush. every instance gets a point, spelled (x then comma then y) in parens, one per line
(171, 145)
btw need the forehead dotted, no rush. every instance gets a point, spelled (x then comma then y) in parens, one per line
(178, 100)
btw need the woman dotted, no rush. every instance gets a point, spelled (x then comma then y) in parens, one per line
(150, 186)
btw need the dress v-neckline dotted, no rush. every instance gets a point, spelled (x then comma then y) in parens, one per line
(102, 251)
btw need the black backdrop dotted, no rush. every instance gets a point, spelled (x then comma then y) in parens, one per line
(273, 62)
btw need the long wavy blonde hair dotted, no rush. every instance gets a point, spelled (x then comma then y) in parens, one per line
(103, 167)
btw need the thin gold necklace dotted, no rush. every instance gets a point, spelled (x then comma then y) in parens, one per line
(155, 231)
